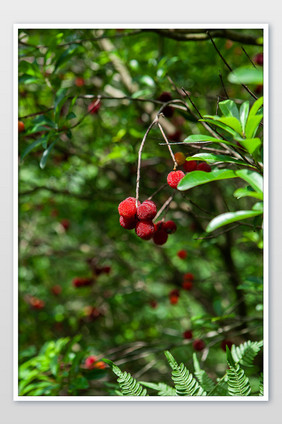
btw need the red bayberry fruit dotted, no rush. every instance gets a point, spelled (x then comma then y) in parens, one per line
(225, 343)
(180, 158)
(127, 208)
(100, 365)
(21, 126)
(79, 82)
(203, 166)
(65, 223)
(145, 229)
(174, 292)
(94, 107)
(187, 334)
(82, 282)
(182, 254)
(90, 361)
(56, 290)
(92, 312)
(36, 303)
(187, 285)
(188, 276)
(190, 165)
(174, 177)
(128, 224)
(258, 59)
(173, 300)
(147, 210)
(170, 227)
(198, 345)
(160, 237)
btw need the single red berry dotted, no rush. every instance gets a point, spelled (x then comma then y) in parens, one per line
(147, 210)
(79, 82)
(159, 225)
(187, 334)
(180, 158)
(173, 300)
(174, 292)
(65, 223)
(153, 304)
(190, 165)
(90, 361)
(100, 365)
(127, 208)
(174, 177)
(145, 229)
(94, 107)
(203, 166)
(199, 345)
(170, 227)
(82, 282)
(225, 343)
(182, 254)
(36, 303)
(56, 290)
(128, 224)
(160, 237)
(187, 285)
(188, 277)
(21, 126)
(258, 59)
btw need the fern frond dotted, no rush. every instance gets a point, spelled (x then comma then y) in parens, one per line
(246, 352)
(205, 381)
(162, 388)
(238, 383)
(261, 390)
(185, 383)
(128, 385)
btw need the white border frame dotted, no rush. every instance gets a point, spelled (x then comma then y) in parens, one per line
(265, 397)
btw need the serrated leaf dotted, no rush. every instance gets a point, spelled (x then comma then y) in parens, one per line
(229, 217)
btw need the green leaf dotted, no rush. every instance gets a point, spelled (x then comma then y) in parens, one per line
(246, 75)
(251, 144)
(247, 192)
(228, 121)
(128, 385)
(246, 352)
(195, 178)
(253, 178)
(66, 56)
(46, 155)
(204, 380)
(212, 158)
(256, 106)
(229, 108)
(244, 111)
(229, 217)
(222, 125)
(162, 388)
(33, 145)
(252, 125)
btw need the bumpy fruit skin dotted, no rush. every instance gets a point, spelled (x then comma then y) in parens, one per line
(21, 126)
(145, 229)
(160, 237)
(170, 227)
(187, 285)
(147, 210)
(203, 166)
(187, 334)
(198, 345)
(182, 254)
(90, 361)
(180, 158)
(94, 107)
(258, 59)
(188, 276)
(225, 343)
(128, 224)
(190, 166)
(174, 177)
(127, 208)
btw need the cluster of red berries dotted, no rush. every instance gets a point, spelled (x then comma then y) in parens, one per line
(91, 363)
(140, 217)
(174, 177)
(188, 280)
(174, 296)
(198, 344)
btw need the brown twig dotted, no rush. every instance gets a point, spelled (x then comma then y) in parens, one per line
(164, 206)
(168, 146)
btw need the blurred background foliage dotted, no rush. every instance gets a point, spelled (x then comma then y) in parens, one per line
(75, 167)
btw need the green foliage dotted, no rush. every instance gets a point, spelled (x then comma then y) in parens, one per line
(246, 352)
(238, 383)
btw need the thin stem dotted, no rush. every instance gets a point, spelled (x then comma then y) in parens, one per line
(168, 146)
(164, 206)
